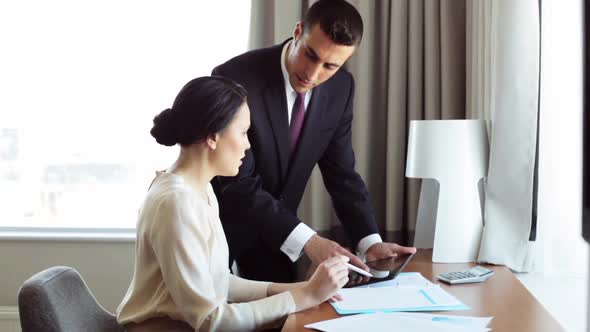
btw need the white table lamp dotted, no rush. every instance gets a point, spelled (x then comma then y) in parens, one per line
(451, 156)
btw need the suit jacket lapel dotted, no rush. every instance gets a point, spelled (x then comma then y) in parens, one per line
(276, 108)
(310, 133)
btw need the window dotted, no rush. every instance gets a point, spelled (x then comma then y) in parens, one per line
(562, 255)
(562, 249)
(80, 85)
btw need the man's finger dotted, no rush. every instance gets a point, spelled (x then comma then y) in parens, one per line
(412, 250)
(354, 260)
(406, 250)
(337, 259)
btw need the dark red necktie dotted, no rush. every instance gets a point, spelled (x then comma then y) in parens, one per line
(297, 117)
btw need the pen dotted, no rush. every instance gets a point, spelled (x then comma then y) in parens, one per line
(358, 270)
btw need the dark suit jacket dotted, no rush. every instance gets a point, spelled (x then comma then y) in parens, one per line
(260, 203)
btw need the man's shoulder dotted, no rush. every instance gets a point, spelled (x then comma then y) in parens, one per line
(343, 75)
(342, 81)
(251, 64)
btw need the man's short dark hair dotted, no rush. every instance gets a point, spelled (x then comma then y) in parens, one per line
(338, 19)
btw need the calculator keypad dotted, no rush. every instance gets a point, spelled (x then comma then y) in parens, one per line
(476, 274)
(458, 275)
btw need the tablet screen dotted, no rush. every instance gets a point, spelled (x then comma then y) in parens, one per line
(383, 269)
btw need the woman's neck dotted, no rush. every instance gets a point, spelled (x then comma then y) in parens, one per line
(193, 166)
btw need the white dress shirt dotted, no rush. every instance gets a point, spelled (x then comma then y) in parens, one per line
(293, 245)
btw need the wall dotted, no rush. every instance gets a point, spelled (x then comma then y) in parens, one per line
(9, 320)
(107, 266)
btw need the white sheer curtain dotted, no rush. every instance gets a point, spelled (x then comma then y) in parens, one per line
(503, 76)
(516, 73)
(506, 86)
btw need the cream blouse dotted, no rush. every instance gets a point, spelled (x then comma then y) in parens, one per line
(181, 267)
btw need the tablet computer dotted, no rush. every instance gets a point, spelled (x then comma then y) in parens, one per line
(382, 270)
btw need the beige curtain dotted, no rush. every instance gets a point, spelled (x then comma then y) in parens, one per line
(410, 65)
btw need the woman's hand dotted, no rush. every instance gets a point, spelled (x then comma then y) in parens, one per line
(327, 279)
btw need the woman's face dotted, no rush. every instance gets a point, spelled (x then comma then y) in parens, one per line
(232, 143)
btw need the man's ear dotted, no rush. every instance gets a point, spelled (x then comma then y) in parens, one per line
(298, 31)
(212, 141)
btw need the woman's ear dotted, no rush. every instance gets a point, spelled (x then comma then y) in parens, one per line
(212, 141)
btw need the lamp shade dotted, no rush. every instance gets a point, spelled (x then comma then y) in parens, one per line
(451, 156)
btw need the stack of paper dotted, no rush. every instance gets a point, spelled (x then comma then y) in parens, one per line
(408, 292)
(402, 322)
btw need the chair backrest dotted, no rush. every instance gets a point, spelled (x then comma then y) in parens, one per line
(57, 299)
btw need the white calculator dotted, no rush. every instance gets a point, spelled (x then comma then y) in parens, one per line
(475, 274)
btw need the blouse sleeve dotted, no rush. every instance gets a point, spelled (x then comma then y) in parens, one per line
(244, 290)
(179, 240)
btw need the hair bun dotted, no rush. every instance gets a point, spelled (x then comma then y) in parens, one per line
(164, 129)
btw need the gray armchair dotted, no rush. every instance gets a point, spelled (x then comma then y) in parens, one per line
(57, 300)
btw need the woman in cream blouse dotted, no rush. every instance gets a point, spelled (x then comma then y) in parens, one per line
(181, 281)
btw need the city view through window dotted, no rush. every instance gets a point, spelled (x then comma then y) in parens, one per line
(80, 85)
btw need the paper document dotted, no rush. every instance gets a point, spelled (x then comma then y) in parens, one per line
(457, 321)
(403, 322)
(408, 292)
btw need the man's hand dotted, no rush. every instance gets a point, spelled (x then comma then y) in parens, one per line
(318, 249)
(386, 249)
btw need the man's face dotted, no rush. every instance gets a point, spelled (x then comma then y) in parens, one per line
(313, 58)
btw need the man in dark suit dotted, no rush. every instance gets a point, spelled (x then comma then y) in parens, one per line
(301, 104)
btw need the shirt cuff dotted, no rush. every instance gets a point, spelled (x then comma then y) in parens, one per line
(366, 242)
(293, 245)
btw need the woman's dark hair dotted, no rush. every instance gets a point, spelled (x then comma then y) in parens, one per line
(338, 19)
(204, 106)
